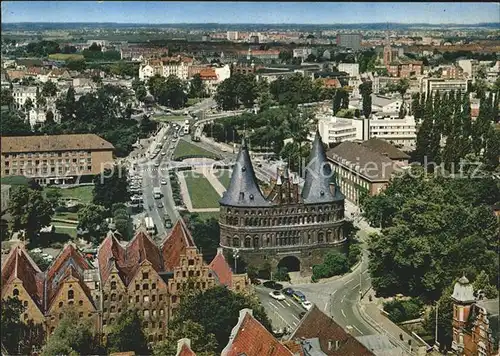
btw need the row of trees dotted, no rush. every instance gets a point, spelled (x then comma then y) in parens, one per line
(447, 118)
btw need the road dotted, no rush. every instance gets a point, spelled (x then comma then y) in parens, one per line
(284, 313)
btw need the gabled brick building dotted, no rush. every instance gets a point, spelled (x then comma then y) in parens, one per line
(140, 275)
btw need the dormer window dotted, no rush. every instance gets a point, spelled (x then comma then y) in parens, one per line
(251, 196)
(243, 169)
(242, 195)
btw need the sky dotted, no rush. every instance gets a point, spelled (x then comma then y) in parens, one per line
(248, 12)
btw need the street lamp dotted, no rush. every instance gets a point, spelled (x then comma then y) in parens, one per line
(236, 255)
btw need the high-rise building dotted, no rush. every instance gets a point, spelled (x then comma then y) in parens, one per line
(349, 40)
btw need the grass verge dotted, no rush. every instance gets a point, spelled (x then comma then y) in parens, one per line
(202, 193)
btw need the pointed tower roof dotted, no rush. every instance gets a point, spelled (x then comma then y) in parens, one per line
(318, 175)
(243, 189)
(463, 292)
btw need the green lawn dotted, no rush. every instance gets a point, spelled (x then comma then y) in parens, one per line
(185, 148)
(208, 215)
(224, 176)
(66, 216)
(192, 101)
(83, 193)
(71, 231)
(64, 56)
(202, 194)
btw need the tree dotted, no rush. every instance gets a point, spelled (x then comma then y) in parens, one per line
(445, 319)
(28, 105)
(95, 47)
(127, 334)
(482, 283)
(6, 98)
(281, 274)
(12, 326)
(49, 89)
(366, 92)
(141, 93)
(169, 92)
(111, 187)
(73, 338)
(53, 196)
(197, 87)
(14, 125)
(285, 56)
(239, 89)
(29, 210)
(217, 310)
(420, 251)
(201, 342)
(92, 218)
(67, 106)
(76, 65)
(206, 235)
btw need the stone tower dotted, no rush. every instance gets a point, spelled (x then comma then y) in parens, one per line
(463, 299)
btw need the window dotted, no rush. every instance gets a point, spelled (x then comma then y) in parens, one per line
(145, 275)
(60, 304)
(145, 286)
(153, 298)
(113, 297)
(137, 287)
(71, 294)
(191, 262)
(80, 315)
(174, 299)
(15, 292)
(25, 303)
(112, 309)
(146, 313)
(137, 299)
(145, 298)
(161, 297)
(113, 285)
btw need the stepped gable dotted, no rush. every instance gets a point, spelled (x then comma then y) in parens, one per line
(69, 263)
(141, 248)
(221, 269)
(243, 189)
(316, 324)
(249, 337)
(318, 175)
(175, 245)
(19, 265)
(110, 252)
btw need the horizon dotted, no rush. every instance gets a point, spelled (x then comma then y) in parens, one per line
(241, 13)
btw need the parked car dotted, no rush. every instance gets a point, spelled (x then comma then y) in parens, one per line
(255, 281)
(163, 182)
(157, 164)
(273, 285)
(288, 291)
(275, 294)
(37, 250)
(306, 305)
(160, 205)
(301, 315)
(168, 223)
(299, 296)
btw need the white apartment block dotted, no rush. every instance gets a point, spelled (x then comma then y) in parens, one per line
(350, 68)
(21, 93)
(178, 69)
(430, 85)
(232, 35)
(469, 66)
(302, 52)
(384, 126)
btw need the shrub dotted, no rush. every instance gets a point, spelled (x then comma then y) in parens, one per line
(402, 310)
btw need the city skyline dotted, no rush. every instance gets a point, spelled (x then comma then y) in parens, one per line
(246, 12)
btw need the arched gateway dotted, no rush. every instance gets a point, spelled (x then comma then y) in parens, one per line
(291, 263)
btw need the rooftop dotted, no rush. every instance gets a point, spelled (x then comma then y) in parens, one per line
(385, 148)
(47, 143)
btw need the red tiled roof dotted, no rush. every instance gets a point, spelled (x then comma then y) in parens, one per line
(20, 265)
(207, 74)
(221, 268)
(186, 351)
(252, 339)
(316, 324)
(109, 249)
(175, 245)
(69, 262)
(141, 248)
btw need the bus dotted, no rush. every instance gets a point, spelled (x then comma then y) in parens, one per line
(150, 225)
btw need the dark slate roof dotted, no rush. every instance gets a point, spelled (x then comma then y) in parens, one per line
(318, 176)
(385, 148)
(372, 165)
(243, 189)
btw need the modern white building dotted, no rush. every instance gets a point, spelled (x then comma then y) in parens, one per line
(430, 85)
(469, 67)
(232, 35)
(386, 104)
(350, 68)
(401, 132)
(21, 93)
(302, 52)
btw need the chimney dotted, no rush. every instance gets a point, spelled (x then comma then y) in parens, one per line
(181, 343)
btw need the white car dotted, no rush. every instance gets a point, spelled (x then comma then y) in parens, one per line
(277, 295)
(163, 153)
(306, 305)
(163, 182)
(157, 164)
